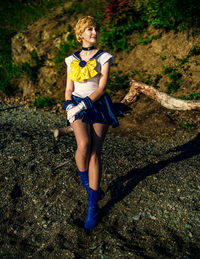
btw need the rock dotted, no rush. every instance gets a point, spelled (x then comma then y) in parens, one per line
(41, 39)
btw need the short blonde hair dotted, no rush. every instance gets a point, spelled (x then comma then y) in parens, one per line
(82, 24)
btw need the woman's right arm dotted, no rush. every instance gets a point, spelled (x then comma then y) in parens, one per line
(69, 86)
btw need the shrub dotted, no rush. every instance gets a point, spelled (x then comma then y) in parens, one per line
(65, 50)
(44, 101)
(175, 79)
(186, 125)
(171, 14)
(118, 81)
(193, 96)
(120, 20)
(195, 51)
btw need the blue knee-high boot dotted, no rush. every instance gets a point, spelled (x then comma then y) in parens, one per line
(93, 209)
(85, 182)
(84, 179)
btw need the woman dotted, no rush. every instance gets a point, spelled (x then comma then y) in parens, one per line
(89, 109)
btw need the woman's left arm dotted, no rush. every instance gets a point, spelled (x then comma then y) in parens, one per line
(101, 90)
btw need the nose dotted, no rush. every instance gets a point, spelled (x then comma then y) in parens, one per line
(94, 31)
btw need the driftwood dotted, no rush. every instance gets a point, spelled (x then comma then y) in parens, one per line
(169, 102)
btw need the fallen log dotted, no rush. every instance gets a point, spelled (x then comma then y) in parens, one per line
(169, 102)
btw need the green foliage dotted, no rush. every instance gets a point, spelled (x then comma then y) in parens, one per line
(44, 101)
(147, 78)
(182, 62)
(74, 9)
(172, 73)
(174, 77)
(114, 38)
(122, 19)
(186, 125)
(8, 72)
(195, 51)
(156, 81)
(119, 22)
(193, 96)
(171, 14)
(118, 81)
(163, 57)
(86, 7)
(145, 41)
(65, 50)
(31, 70)
(15, 16)
(172, 87)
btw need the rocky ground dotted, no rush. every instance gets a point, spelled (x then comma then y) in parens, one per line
(151, 208)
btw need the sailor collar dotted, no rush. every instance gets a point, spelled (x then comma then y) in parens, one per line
(83, 63)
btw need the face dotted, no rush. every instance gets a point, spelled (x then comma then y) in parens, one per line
(89, 36)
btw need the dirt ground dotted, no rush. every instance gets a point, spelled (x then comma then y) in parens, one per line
(147, 119)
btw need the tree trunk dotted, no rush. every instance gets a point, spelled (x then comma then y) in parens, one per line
(164, 99)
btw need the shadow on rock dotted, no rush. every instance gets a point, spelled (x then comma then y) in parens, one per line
(128, 182)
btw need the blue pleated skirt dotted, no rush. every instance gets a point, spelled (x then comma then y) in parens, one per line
(103, 111)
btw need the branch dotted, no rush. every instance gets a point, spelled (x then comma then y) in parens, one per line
(164, 99)
(57, 133)
(12, 107)
(59, 166)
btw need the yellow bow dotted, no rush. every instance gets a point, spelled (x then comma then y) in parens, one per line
(81, 74)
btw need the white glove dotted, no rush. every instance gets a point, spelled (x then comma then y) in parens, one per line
(74, 110)
(69, 107)
(72, 119)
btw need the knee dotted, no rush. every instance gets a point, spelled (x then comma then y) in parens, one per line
(84, 147)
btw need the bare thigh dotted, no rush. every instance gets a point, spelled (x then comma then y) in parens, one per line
(81, 132)
(98, 133)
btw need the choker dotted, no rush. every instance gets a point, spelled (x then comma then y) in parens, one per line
(88, 48)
